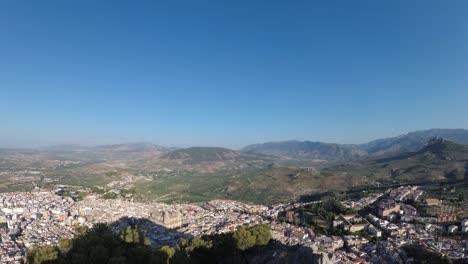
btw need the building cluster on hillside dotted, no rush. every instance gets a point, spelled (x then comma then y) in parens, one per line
(401, 225)
(404, 193)
(390, 229)
(395, 220)
(31, 218)
(39, 218)
(229, 205)
(221, 217)
(386, 207)
(363, 202)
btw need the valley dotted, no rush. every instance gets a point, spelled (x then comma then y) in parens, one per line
(148, 172)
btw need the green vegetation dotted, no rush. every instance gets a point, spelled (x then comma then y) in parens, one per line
(262, 234)
(20, 187)
(100, 245)
(75, 195)
(438, 161)
(454, 196)
(200, 174)
(319, 216)
(309, 150)
(202, 154)
(244, 239)
(110, 195)
(329, 209)
(214, 248)
(45, 254)
(410, 142)
(422, 255)
(267, 185)
(81, 229)
(134, 235)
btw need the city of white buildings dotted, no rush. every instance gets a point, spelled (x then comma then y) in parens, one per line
(42, 217)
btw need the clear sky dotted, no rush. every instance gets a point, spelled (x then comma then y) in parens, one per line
(229, 73)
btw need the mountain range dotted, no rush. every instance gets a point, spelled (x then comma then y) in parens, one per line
(215, 154)
(260, 178)
(410, 142)
(437, 160)
(292, 150)
(266, 173)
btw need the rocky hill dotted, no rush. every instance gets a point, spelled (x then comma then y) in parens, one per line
(132, 148)
(410, 142)
(203, 154)
(437, 160)
(214, 158)
(308, 150)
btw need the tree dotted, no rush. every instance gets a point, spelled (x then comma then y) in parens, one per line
(262, 234)
(244, 239)
(164, 254)
(134, 235)
(64, 245)
(146, 241)
(40, 255)
(99, 254)
(445, 260)
(127, 235)
(81, 229)
(101, 245)
(31, 254)
(197, 243)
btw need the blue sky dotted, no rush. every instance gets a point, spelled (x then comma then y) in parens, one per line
(229, 73)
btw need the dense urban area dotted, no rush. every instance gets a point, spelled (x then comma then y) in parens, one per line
(377, 227)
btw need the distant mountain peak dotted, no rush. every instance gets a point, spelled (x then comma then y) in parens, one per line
(210, 159)
(438, 145)
(410, 142)
(437, 141)
(308, 150)
(131, 147)
(202, 154)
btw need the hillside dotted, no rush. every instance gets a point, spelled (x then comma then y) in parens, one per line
(410, 142)
(438, 160)
(200, 174)
(280, 184)
(203, 154)
(308, 150)
(204, 173)
(99, 153)
(132, 148)
(265, 185)
(195, 155)
(205, 159)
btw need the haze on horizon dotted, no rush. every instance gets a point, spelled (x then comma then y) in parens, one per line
(229, 74)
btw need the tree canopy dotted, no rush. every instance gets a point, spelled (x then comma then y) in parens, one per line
(130, 245)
